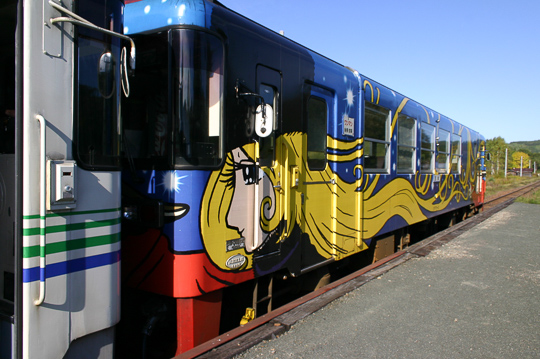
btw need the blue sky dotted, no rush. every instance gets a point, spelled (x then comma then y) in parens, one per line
(475, 61)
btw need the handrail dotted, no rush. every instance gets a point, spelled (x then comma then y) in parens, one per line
(78, 20)
(257, 214)
(42, 209)
(332, 181)
(81, 21)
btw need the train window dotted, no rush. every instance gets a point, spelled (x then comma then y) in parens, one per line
(145, 113)
(456, 154)
(443, 150)
(97, 125)
(406, 139)
(317, 115)
(197, 76)
(267, 144)
(173, 117)
(427, 155)
(376, 137)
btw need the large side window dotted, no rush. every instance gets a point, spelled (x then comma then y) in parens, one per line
(443, 151)
(145, 113)
(456, 154)
(427, 155)
(376, 137)
(317, 115)
(97, 128)
(173, 117)
(197, 94)
(406, 138)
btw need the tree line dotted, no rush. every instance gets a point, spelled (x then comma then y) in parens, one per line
(530, 151)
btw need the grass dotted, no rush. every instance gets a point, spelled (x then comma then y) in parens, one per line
(498, 184)
(533, 198)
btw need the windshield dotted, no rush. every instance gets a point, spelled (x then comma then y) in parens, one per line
(174, 116)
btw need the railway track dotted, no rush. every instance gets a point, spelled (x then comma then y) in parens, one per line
(510, 195)
(278, 321)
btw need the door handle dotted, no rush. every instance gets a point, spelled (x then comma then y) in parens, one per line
(42, 209)
(279, 188)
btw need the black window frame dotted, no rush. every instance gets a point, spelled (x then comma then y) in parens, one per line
(267, 153)
(411, 146)
(430, 151)
(180, 161)
(443, 152)
(316, 140)
(155, 101)
(97, 141)
(371, 142)
(456, 153)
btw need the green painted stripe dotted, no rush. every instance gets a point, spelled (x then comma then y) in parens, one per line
(34, 216)
(34, 251)
(51, 215)
(71, 227)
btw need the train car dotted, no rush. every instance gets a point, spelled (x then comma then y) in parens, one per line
(241, 163)
(249, 157)
(60, 208)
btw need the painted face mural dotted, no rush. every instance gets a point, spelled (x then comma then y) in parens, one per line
(338, 209)
(237, 199)
(247, 219)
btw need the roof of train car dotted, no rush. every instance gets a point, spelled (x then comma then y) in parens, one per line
(159, 14)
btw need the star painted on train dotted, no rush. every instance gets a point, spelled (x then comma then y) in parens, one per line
(171, 182)
(350, 97)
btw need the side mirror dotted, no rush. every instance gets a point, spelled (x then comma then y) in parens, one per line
(488, 156)
(264, 120)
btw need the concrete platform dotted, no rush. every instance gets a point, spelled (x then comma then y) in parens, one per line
(476, 297)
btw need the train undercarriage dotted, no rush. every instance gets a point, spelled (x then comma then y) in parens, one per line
(155, 332)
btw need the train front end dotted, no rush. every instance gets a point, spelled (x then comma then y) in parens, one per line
(173, 136)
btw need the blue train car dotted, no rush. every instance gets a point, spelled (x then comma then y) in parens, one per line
(249, 155)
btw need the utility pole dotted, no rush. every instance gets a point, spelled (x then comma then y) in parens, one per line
(521, 168)
(506, 162)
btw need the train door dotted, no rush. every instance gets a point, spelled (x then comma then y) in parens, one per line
(317, 181)
(8, 251)
(272, 155)
(480, 172)
(59, 180)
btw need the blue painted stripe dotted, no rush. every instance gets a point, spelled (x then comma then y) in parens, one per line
(71, 266)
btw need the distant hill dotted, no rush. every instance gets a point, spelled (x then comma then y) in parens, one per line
(533, 146)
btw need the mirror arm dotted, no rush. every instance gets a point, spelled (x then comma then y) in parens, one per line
(250, 94)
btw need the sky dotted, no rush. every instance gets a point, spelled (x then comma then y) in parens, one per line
(475, 61)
